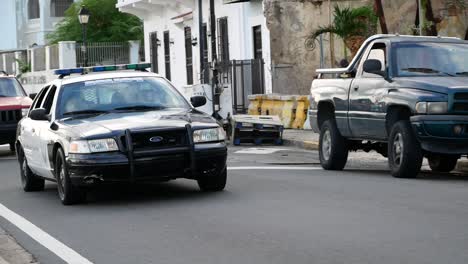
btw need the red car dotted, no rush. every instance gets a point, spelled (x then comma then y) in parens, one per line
(14, 104)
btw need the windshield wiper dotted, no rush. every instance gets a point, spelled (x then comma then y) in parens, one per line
(426, 70)
(140, 107)
(462, 73)
(84, 112)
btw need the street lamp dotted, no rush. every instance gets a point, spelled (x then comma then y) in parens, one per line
(83, 17)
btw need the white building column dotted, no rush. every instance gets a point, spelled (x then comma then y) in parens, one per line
(18, 58)
(47, 58)
(46, 23)
(134, 51)
(4, 62)
(33, 63)
(67, 54)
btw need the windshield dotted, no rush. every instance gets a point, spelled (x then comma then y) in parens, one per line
(431, 59)
(10, 87)
(119, 94)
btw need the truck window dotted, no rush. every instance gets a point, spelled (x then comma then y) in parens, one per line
(377, 53)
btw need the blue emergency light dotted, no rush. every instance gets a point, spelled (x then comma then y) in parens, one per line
(84, 70)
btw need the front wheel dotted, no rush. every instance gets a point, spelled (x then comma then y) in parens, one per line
(404, 151)
(442, 163)
(68, 193)
(12, 147)
(213, 183)
(333, 148)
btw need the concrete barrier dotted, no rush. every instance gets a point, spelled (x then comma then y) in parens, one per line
(255, 104)
(288, 111)
(301, 111)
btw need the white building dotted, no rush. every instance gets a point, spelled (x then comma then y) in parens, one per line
(172, 41)
(8, 24)
(37, 18)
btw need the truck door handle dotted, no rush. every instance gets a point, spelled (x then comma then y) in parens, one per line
(356, 88)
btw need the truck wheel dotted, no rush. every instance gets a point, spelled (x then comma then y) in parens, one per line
(12, 147)
(215, 183)
(404, 151)
(333, 149)
(442, 163)
(29, 181)
(68, 193)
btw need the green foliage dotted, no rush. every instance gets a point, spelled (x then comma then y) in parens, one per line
(348, 22)
(106, 24)
(23, 66)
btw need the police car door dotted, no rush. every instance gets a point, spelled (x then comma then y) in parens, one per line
(44, 138)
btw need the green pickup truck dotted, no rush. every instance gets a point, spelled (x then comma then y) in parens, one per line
(405, 97)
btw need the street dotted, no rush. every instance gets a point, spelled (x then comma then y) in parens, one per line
(266, 215)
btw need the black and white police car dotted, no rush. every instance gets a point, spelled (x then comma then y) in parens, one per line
(106, 125)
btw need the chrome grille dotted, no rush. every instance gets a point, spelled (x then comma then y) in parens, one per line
(10, 116)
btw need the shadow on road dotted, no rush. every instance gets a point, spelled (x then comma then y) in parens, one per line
(423, 175)
(123, 195)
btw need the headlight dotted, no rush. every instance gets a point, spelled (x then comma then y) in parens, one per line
(431, 107)
(93, 146)
(209, 135)
(25, 111)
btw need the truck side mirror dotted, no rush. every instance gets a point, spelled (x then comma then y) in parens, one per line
(198, 101)
(32, 96)
(374, 67)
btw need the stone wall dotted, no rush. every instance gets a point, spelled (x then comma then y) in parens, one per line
(289, 22)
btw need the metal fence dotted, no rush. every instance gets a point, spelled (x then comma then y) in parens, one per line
(103, 53)
(54, 57)
(39, 59)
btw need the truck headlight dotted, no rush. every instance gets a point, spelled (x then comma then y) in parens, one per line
(432, 107)
(93, 146)
(209, 135)
(24, 111)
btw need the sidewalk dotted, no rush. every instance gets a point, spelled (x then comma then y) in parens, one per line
(11, 252)
(307, 139)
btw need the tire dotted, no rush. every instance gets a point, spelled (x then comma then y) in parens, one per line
(333, 148)
(68, 193)
(12, 147)
(215, 183)
(404, 151)
(442, 163)
(29, 181)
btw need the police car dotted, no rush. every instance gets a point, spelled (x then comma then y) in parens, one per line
(105, 125)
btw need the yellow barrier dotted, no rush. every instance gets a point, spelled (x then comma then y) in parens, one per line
(301, 111)
(288, 110)
(277, 105)
(255, 104)
(267, 104)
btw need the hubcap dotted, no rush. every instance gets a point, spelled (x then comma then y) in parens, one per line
(326, 145)
(61, 182)
(398, 149)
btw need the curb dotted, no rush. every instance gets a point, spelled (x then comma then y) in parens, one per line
(462, 165)
(307, 145)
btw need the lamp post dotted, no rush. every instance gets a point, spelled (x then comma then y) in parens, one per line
(83, 17)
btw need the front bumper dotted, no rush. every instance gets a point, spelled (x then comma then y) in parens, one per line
(203, 160)
(7, 133)
(441, 133)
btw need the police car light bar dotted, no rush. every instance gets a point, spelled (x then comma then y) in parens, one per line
(85, 70)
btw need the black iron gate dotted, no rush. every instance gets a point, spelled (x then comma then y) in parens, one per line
(247, 78)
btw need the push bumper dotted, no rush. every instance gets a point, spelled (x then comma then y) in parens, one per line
(445, 134)
(7, 133)
(201, 160)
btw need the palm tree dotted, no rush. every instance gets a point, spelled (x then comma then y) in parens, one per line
(353, 26)
(380, 13)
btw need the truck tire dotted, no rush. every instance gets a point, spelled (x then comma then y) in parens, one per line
(29, 181)
(68, 193)
(442, 163)
(215, 183)
(333, 149)
(404, 151)
(12, 146)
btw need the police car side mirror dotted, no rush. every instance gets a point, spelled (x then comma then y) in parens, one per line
(32, 96)
(198, 101)
(39, 114)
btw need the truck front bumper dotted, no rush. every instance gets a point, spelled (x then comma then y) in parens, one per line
(444, 134)
(204, 160)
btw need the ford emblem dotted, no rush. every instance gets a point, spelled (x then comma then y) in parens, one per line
(156, 139)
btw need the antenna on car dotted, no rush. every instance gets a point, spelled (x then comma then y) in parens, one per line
(4, 73)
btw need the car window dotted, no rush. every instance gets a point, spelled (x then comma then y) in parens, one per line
(49, 99)
(39, 98)
(377, 53)
(119, 94)
(10, 87)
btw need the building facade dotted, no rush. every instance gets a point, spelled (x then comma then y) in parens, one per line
(8, 22)
(37, 18)
(177, 49)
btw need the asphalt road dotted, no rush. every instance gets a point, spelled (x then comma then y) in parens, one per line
(361, 215)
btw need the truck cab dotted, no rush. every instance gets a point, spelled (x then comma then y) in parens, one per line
(403, 96)
(14, 104)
